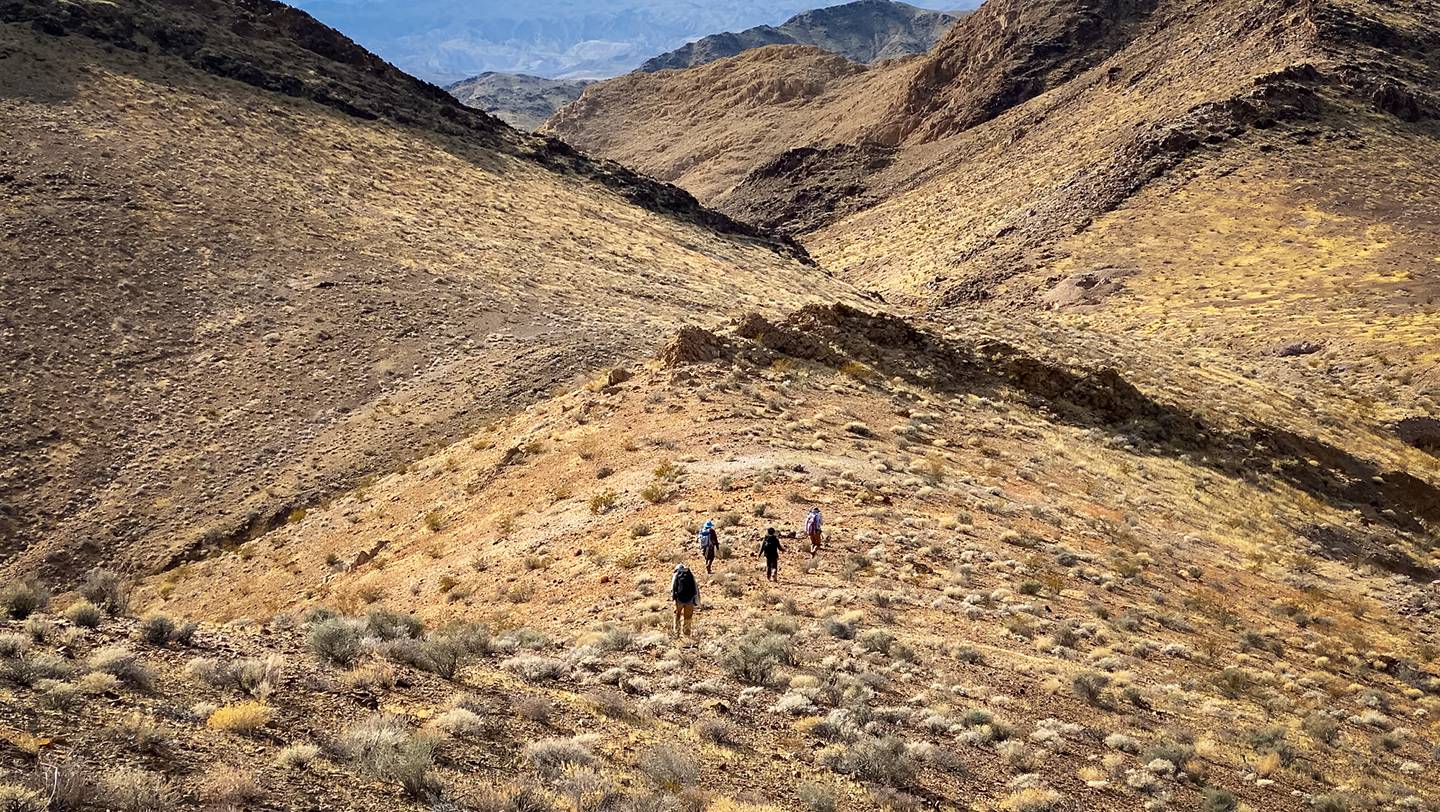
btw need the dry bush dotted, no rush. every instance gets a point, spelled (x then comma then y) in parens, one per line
(336, 640)
(160, 630)
(141, 734)
(229, 787)
(84, 614)
(513, 797)
(121, 664)
(669, 767)
(756, 655)
(551, 757)
(879, 760)
(245, 717)
(817, 797)
(297, 756)
(127, 789)
(535, 668)
(66, 786)
(1032, 799)
(108, 590)
(461, 723)
(603, 501)
(379, 674)
(715, 731)
(20, 599)
(384, 746)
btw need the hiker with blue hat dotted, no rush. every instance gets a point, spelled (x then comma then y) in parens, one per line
(709, 543)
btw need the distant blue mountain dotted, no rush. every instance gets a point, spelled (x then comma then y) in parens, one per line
(447, 40)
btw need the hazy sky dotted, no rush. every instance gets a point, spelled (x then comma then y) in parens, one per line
(447, 40)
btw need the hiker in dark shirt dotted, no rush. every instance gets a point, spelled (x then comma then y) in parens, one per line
(771, 549)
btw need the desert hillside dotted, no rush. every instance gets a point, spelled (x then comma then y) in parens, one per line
(863, 31)
(1057, 576)
(1048, 154)
(248, 264)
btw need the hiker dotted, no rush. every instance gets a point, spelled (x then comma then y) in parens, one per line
(709, 543)
(812, 529)
(771, 549)
(685, 591)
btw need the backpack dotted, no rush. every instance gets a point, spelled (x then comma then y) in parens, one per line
(812, 522)
(708, 537)
(684, 588)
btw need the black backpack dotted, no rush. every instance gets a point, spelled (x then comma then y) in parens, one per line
(684, 588)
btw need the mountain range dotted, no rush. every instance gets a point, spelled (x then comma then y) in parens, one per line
(449, 40)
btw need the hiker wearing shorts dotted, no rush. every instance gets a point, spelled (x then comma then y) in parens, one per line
(771, 549)
(685, 591)
(813, 530)
(709, 543)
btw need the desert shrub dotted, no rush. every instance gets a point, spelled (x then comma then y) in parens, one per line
(141, 734)
(384, 747)
(127, 789)
(603, 501)
(612, 703)
(669, 767)
(816, 797)
(14, 798)
(66, 786)
(552, 757)
(245, 717)
(255, 677)
(13, 645)
(535, 668)
(21, 599)
(1233, 683)
(57, 695)
(1218, 800)
(1031, 799)
(1334, 802)
(715, 731)
(461, 723)
(386, 625)
(84, 614)
(534, 708)
(160, 630)
(229, 788)
(1090, 686)
(108, 590)
(876, 640)
(335, 640)
(515, 797)
(657, 492)
(756, 655)
(377, 675)
(447, 653)
(879, 760)
(842, 628)
(297, 756)
(122, 664)
(640, 530)
(1321, 727)
(1176, 752)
